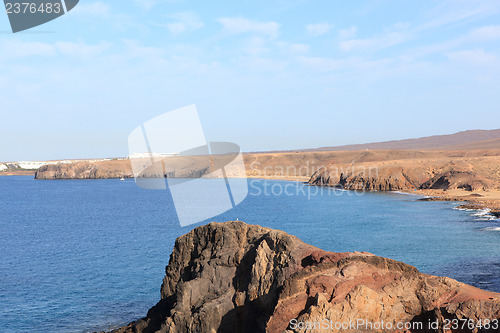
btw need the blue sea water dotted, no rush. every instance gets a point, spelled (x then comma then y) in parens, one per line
(87, 255)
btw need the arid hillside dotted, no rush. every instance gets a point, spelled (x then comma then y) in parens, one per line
(473, 139)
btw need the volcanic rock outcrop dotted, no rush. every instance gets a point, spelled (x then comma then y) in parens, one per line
(235, 277)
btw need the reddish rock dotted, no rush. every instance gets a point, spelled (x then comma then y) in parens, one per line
(235, 277)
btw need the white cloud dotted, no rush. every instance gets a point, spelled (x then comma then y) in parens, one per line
(135, 50)
(81, 50)
(288, 48)
(375, 43)
(94, 9)
(263, 65)
(348, 32)
(146, 4)
(236, 26)
(323, 64)
(299, 48)
(318, 29)
(255, 46)
(401, 25)
(184, 22)
(452, 12)
(98, 13)
(477, 35)
(19, 49)
(486, 33)
(357, 66)
(475, 57)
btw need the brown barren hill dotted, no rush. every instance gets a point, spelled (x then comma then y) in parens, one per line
(235, 277)
(471, 138)
(486, 144)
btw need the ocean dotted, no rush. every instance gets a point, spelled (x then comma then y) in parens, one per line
(89, 255)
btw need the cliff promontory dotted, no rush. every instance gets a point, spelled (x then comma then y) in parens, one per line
(85, 170)
(235, 277)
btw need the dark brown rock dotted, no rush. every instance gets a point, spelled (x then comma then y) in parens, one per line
(235, 277)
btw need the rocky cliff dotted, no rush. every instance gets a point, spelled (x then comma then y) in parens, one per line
(367, 170)
(85, 170)
(469, 175)
(235, 277)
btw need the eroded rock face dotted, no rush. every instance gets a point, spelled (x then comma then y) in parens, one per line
(235, 277)
(393, 178)
(368, 180)
(81, 170)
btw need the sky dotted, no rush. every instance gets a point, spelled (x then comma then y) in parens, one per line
(266, 75)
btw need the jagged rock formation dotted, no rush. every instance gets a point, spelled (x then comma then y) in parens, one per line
(365, 179)
(234, 277)
(400, 176)
(455, 179)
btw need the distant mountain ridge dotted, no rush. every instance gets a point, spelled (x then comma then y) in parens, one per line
(472, 139)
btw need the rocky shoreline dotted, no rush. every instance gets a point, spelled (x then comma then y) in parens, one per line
(466, 176)
(466, 206)
(235, 277)
(449, 184)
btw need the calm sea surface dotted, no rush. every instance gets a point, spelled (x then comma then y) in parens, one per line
(84, 255)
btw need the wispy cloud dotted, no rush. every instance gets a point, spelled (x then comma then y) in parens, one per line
(478, 35)
(487, 33)
(347, 32)
(96, 14)
(238, 25)
(453, 12)
(15, 48)
(93, 8)
(374, 44)
(19, 49)
(318, 29)
(255, 46)
(288, 48)
(474, 57)
(147, 4)
(81, 50)
(323, 64)
(299, 48)
(184, 22)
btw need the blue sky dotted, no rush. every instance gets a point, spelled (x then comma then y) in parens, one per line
(263, 74)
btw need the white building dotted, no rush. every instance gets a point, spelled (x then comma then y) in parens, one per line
(148, 155)
(35, 165)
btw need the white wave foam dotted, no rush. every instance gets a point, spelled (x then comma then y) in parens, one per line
(464, 209)
(406, 193)
(484, 215)
(491, 229)
(479, 214)
(482, 212)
